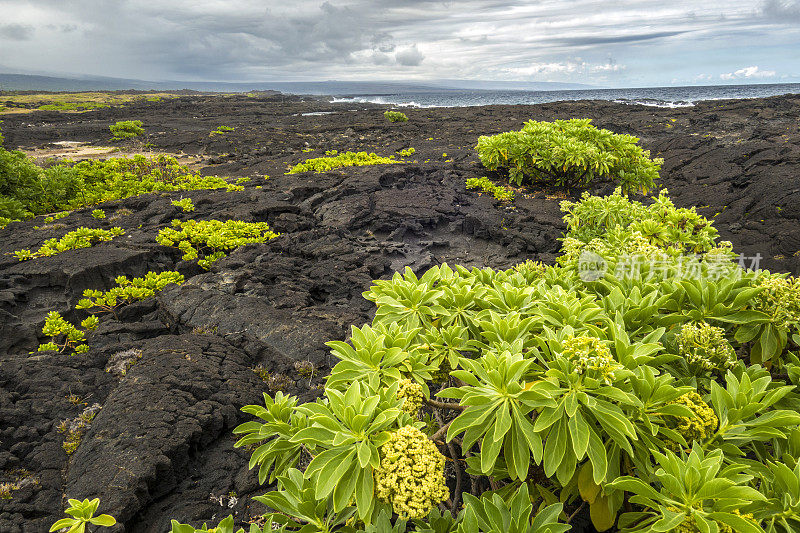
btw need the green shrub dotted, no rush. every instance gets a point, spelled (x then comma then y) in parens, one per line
(406, 152)
(617, 221)
(55, 216)
(26, 189)
(221, 130)
(485, 184)
(98, 213)
(184, 204)
(127, 291)
(395, 116)
(64, 335)
(211, 240)
(125, 129)
(571, 153)
(347, 159)
(79, 238)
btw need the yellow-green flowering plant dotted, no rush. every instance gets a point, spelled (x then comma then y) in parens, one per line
(697, 492)
(210, 240)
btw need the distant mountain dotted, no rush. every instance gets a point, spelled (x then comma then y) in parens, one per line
(28, 82)
(513, 85)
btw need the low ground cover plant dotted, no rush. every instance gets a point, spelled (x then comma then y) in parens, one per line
(82, 513)
(570, 153)
(395, 116)
(221, 130)
(210, 240)
(184, 204)
(125, 129)
(27, 189)
(79, 238)
(504, 194)
(127, 291)
(336, 160)
(66, 336)
(75, 102)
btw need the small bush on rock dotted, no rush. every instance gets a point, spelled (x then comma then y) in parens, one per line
(185, 204)
(127, 291)
(395, 116)
(27, 189)
(79, 238)
(571, 153)
(211, 240)
(485, 184)
(125, 129)
(346, 159)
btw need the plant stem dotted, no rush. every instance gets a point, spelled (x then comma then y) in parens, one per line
(569, 519)
(441, 433)
(446, 405)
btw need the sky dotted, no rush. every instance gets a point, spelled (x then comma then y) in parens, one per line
(627, 43)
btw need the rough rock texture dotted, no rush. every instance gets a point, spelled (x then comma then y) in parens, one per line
(161, 446)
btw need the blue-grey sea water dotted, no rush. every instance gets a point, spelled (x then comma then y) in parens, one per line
(655, 96)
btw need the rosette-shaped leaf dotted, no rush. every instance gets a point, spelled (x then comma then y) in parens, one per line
(498, 411)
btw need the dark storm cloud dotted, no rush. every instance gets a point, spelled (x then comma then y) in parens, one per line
(16, 32)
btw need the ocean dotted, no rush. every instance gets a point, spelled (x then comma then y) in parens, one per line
(653, 96)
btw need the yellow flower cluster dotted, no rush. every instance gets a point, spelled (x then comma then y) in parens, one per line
(412, 394)
(780, 299)
(699, 428)
(411, 475)
(531, 270)
(705, 346)
(591, 356)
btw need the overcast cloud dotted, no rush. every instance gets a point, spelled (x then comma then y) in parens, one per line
(626, 43)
